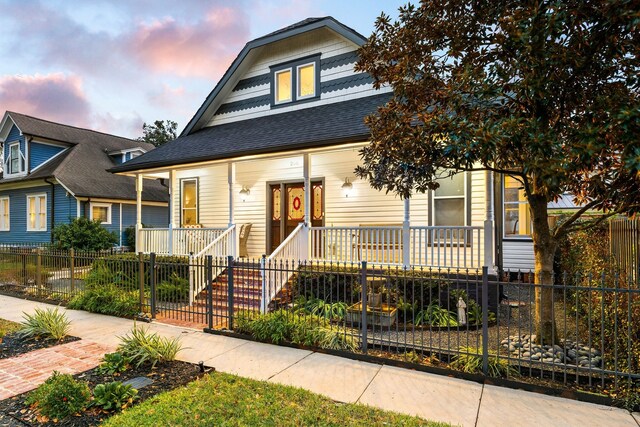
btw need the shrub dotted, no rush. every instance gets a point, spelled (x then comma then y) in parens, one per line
(48, 324)
(114, 395)
(308, 330)
(140, 347)
(60, 396)
(175, 289)
(113, 363)
(107, 299)
(321, 308)
(83, 234)
(435, 315)
(470, 361)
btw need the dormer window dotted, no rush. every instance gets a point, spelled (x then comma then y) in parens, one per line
(15, 162)
(295, 81)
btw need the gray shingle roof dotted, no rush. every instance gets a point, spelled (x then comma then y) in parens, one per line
(308, 127)
(83, 167)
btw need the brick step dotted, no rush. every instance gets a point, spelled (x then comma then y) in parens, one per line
(222, 305)
(238, 287)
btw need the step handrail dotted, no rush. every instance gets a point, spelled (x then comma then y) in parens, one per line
(220, 247)
(294, 248)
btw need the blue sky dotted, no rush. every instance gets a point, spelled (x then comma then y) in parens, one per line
(112, 65)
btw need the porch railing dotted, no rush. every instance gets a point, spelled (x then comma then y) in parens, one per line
(456, 247)
(177, 241)
(429, 246)
(274, 276)
(219, 249)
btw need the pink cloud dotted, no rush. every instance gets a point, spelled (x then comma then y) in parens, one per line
(203, 49)
(54, 97)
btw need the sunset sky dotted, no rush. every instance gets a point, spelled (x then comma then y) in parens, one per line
(112, 65)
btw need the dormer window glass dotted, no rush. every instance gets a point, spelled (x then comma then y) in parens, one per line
(283, 86)
(295, 81)
(306, 80)
(15, 162)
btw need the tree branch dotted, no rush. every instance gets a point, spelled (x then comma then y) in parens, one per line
(590, 224)
(564, 228)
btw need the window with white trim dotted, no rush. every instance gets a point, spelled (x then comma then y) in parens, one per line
(5, 218)
(517, 218)
(100, 212)
(449, 201)
(189, 202)
(15, 161)
(37, 212)
(297, 80)
(283, 82)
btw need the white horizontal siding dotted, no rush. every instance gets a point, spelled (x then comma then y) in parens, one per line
(364, 206)
(517, 255)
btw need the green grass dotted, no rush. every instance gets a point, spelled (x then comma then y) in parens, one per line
(7, 326)
(225, 400)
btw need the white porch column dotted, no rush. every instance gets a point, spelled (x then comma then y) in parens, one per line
(489, 222)
(306, 172)
(406, 234)
(172, 180)
(138, 212)
(231, 179)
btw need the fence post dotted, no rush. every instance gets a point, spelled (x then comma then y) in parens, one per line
(141, 279)
(209, 276)
(25, 279)
(263, 277)
(72, 255)
(152, 282)
(485, 320)
(38, 270)
(363, 292)
(230, 290)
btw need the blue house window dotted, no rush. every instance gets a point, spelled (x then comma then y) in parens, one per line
(295, 81)
(15, 162)
(5, 223)
(101, 212)
(37, 212)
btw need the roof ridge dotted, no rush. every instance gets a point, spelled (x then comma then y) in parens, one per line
(71, 126)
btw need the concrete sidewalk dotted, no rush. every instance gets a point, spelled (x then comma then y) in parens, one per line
(430, 396)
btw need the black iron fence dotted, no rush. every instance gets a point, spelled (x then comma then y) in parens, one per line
(476, 321)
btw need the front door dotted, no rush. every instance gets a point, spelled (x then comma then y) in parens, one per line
(287, 206)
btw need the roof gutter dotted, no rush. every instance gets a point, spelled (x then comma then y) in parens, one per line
(321, 144)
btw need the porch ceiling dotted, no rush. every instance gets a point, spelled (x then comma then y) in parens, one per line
(324, 125)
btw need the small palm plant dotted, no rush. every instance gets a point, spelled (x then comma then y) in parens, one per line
(46, 324)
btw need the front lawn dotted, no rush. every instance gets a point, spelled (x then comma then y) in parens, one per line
(7, 326)
(223, 399)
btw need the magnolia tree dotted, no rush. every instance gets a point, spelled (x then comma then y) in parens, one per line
(543, 92)
(160, 132)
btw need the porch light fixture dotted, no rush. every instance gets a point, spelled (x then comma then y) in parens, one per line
(347, 187)
(244, 193)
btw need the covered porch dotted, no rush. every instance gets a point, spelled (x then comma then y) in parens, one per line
(307, 205)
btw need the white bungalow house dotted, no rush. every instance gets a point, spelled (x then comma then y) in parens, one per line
(275, 145)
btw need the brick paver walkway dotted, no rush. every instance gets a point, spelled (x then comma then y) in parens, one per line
(27, 371)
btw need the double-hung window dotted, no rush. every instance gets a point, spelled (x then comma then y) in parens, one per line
(449, 201)
(517, 218)
(15, 162)
(189, 201)
(37, 212)
(5, 225)
(296, 81)
(101, 212)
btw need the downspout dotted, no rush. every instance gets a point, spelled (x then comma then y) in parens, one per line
(53, 206)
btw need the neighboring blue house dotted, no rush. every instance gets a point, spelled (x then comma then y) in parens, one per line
(52, 173)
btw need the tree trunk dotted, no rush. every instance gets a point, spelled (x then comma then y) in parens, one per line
(544, 248)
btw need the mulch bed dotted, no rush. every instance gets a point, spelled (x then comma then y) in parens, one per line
(11, 345)
(166, 376)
